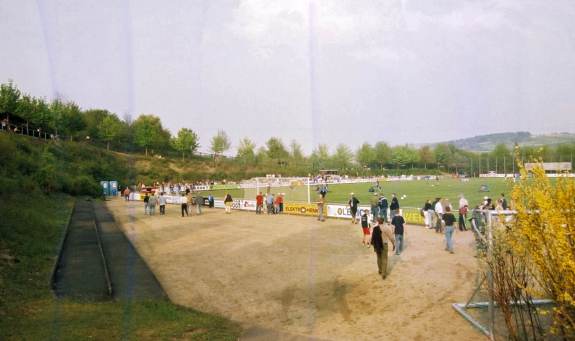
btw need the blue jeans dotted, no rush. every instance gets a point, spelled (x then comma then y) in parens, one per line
(449, 238)
(398, 243)
(375, 212)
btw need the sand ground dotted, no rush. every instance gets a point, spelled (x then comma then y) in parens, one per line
(297, 275)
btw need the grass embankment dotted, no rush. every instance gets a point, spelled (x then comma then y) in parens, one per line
(31, 227)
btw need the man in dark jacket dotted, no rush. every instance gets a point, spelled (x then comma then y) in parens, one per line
(379, 238)
(394, 206)
(383, 206)
(353, 202)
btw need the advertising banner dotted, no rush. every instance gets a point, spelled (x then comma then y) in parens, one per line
(300, 209)
(412, 215)
(343, 211)
(244, 205)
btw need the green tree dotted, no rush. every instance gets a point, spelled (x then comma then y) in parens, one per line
(69, 119)
(9, 98)
(425, 156)
(109, 129)
(246, 151)
(185, 141)
(296, 152)
(403, 156)
(320, 157)
(382, 153)
(343, 157)
(442, 155)
(365, 155)
(276, 150)
(149, 133)
(502, 157)
(220, 143)
(93, 118)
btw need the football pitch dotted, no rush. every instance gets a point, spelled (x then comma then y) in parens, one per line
(414, 193)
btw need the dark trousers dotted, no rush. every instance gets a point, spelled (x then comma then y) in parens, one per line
(382, 260)
(184, 209)
(281, 207)
(462, 223)
(162, 209)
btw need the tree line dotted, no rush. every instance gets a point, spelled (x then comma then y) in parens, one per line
(146, 134)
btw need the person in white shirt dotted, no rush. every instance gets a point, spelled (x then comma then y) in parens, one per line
(439, 214)
(462, 201)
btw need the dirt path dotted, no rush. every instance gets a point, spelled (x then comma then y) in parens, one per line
(296, 275)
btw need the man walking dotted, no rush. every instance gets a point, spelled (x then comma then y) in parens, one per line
(199, 203)
(438, 208)
(449, 219)
(374, 202)
(352, 203)
(394, 206)
(383, 206)
(320, 206)
(379, 238)
(184, 205)
(398, 222)
(162, 200)
(259, 203)
(270, 203)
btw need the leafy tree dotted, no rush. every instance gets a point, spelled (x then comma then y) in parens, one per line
(442, 155)
(343, 157)
(9, 97)
(276, 149)
(109, 129)
(365, 155)
(403, 155)
(296, 152)
(382, 154)
(186, 141)
(425, 156)
(502, 156)
(220, 143)
(68, 117)
(148, 132)
(93, 118)
(246, 151)
(320, 157)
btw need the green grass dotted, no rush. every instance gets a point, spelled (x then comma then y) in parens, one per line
(416, 191)
(30, 230)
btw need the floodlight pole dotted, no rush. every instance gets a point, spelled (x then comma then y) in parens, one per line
(308, 192)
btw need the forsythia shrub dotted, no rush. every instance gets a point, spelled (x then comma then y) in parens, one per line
(544, 234)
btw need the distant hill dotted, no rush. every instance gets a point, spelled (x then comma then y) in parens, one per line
(483, 143)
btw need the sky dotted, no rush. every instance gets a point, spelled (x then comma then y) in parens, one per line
(314, 71)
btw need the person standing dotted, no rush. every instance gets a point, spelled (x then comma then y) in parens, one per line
(427, 213)
(365, 228)
(374, 203)
(462, 218)
(277, 204)
(199, 203)
(504, 204)
(397, 221)
(190, 200)
(228, 203)
(270, 203)
(259, 203)
(320, 207)
(210, 201)
(184, 205)
(152, 204)
(462, 201)
(281, 202)
(383, 206)
(146, 206)
(394, 206)
(352, 203)
(379, 237)
(449, 220)
(162, 201)
(126, 194)
(438, 208)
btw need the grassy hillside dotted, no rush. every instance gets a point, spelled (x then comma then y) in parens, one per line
(30, 231)
(488, 142)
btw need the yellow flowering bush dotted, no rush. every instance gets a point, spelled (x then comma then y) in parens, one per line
(543, 236)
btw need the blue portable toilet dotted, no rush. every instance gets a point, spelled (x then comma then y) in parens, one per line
(113, 186)
(105, 187)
